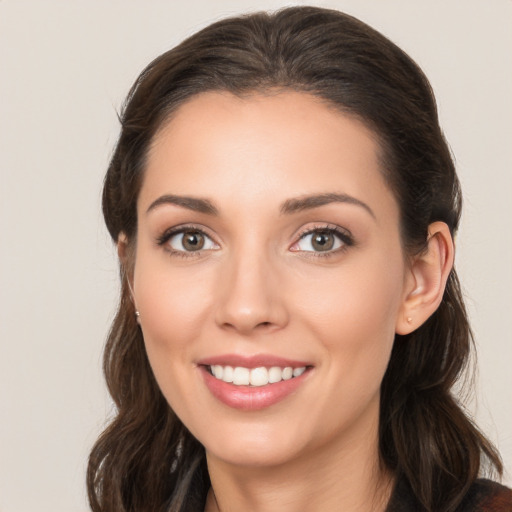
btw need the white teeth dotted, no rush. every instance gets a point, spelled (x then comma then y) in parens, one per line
(260, 376)
(228, 374)
(241, 376)
(275, 374)
(287, 373)
(217, 370)
(297, 372)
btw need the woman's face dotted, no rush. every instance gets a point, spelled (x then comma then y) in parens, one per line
(268, 252)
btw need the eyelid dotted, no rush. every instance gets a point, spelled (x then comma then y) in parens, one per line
(162, 239)
(343, 234)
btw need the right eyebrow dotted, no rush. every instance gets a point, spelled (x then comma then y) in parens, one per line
(196, 204)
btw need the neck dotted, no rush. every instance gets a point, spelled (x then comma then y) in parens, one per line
(346, 477)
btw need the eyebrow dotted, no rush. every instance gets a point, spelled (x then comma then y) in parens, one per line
(317, 200)
(289, 206)
(190, 203)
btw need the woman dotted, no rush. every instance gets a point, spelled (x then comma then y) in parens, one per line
(290, 324)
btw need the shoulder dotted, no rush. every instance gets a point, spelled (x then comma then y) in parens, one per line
(487, 496)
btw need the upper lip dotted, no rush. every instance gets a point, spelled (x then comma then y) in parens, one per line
(251, 361)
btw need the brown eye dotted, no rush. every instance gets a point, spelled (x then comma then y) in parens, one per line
(193, 241)
(322, 241)
(189, 240)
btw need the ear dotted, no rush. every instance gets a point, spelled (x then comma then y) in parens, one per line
(426, 279)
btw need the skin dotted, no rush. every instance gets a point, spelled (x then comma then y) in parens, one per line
(259, 287)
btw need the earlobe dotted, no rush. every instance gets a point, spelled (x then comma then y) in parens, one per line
(427, 278)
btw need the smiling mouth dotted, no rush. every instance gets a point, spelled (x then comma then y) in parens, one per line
(256, 377)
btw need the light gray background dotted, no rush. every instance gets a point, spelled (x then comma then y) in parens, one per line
(65, 67)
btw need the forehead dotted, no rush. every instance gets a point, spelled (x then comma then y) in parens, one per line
(263, 146)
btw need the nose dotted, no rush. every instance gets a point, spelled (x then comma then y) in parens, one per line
(251, 295)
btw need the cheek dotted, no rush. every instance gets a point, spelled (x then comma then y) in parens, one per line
(358, 297)
(353, 315)
(173, 306)
(173, 311)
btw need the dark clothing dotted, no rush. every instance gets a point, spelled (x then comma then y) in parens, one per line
(483, 496)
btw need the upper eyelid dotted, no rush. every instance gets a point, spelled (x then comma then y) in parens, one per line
(181, 228)
(325, 227)
(343, 234)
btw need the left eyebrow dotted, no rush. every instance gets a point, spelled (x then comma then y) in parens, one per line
(314, 201)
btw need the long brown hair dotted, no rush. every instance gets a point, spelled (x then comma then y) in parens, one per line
(146, 460)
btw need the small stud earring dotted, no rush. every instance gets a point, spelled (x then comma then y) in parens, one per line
(409, 319)
(137, 316)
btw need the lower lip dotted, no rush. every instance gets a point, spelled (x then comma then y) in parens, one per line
(251, 398)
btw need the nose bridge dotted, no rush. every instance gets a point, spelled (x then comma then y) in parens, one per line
(250, 296)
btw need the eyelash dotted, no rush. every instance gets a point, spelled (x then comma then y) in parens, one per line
(169, 233)
(343, 235)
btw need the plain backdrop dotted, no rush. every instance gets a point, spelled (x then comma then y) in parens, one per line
(65, 67)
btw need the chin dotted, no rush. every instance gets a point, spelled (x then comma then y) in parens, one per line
(255, 456)
(253, 447)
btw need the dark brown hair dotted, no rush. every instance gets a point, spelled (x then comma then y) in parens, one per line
(146, 460)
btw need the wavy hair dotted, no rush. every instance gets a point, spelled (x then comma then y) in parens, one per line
(146, 460)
